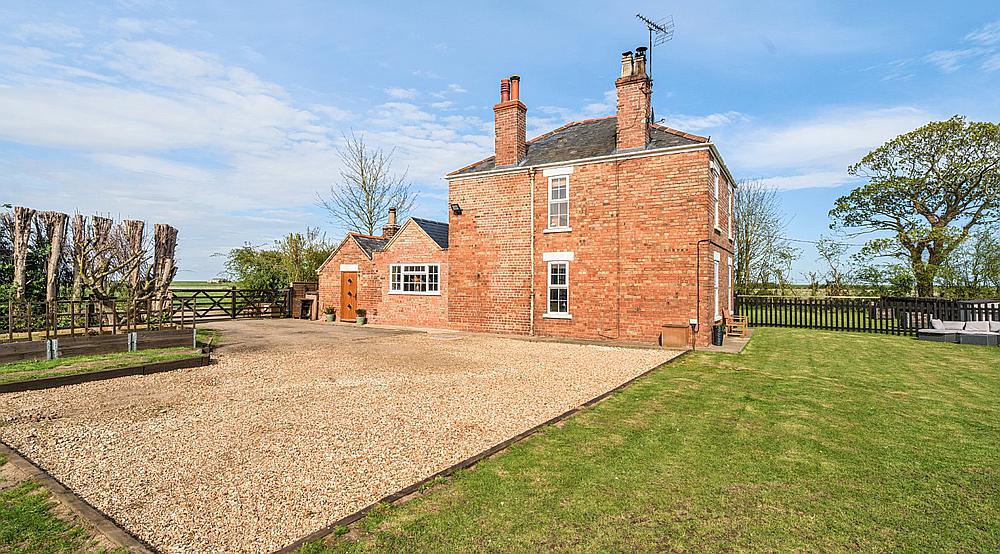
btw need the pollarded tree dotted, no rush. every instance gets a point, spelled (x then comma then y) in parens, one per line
(926, 191)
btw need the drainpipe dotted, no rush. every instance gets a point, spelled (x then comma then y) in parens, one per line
(697, 280)
(531, 219)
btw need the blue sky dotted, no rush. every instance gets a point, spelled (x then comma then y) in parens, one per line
(223, 118)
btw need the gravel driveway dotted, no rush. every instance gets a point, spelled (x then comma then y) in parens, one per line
(298, 424)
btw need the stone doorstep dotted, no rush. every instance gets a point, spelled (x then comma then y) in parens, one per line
(101, 525)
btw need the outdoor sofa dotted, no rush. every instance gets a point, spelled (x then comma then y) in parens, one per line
(983, 333)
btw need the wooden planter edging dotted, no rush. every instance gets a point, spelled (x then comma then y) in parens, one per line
(104, 523)
(466, 463)
(95, 344)
(144, 369)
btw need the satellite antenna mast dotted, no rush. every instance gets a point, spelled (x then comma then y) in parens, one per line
(659, 32)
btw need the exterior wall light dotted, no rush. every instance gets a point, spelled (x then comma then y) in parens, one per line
(456, 209)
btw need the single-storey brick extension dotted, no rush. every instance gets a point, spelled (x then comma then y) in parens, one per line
(616, 228)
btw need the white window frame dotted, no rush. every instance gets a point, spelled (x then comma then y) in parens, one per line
(730, 300)
(715, 283)
(549, 287)
(549, 228)
(715, 189)
(732, 211)
(396, 287)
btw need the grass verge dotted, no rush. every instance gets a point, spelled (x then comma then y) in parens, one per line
(29, 525)
(37, 369)
(808, 441)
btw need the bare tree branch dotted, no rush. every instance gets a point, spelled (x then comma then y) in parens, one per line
(367, 188)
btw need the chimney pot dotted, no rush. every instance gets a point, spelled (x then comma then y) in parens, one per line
(509, 123)
(626, 64)
(640, 61)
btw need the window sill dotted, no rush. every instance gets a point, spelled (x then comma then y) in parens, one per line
(404, 293)
(549, 315)
(557, 230)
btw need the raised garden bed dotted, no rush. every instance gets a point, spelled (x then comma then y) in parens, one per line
(44, 374)
(95, 344)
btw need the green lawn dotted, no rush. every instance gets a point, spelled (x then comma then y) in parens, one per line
(808, 441)
(37, 369)
(29, 526)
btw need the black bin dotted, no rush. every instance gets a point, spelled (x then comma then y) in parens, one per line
(718, 332)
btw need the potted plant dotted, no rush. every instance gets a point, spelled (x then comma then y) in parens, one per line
(361, 313)
(329, 313)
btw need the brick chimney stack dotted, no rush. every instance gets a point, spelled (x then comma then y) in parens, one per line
(510, 123)
(390, 228)
(634, 91)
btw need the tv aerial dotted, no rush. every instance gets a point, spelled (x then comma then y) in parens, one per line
(659, 32)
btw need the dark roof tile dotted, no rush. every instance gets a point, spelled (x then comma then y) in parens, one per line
(435, 229)
(369, 244)
(585, 139)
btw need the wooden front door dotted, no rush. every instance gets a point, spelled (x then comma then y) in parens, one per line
(348, 295)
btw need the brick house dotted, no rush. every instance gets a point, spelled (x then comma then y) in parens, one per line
(616, 228)
(400, 277)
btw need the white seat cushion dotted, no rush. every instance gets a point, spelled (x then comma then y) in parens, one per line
(978, 326)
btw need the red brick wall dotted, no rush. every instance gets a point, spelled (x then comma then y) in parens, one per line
(633, 111)
(412, 246)
(635, 225)
(510, 132)
(490, 252)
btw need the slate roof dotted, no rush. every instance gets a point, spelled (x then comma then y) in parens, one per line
(435, 229)
(369, 244)
(585, 139)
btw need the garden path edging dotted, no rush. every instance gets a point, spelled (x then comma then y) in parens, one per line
(143, 369)
(98, 519)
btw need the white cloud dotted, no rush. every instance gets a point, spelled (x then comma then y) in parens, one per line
(47, 31)
(992, 63)
(697, 123)
(455, 87)
(986, 35)
(816, 152)
(402, 93)
(819, 179)
(135, 26)
(950, 61)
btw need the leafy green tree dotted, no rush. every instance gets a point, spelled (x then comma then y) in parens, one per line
(886, 279)
(927, 190)
(973, 271)
(302, 254)
(253, 268)
(296, 257)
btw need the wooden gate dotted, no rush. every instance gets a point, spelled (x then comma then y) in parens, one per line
(231, 303)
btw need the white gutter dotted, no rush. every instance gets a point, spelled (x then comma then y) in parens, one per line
(596, 159)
